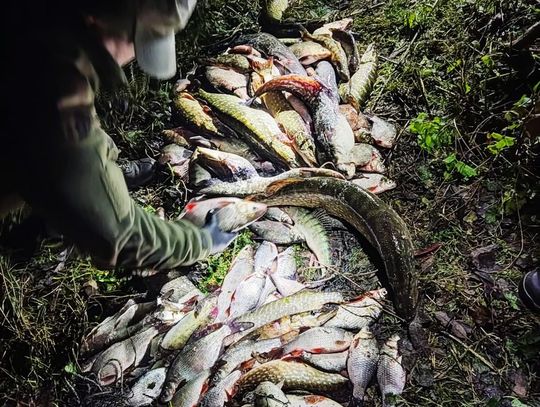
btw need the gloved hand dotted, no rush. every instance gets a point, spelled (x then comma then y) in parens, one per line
(220, 239)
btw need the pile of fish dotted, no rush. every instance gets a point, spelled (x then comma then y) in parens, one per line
(272, 138)
(262, 333)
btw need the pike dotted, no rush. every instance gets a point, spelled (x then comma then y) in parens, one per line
(321, 103)
(257, 128)
(226, 166)
(309, 52)
(347, 41)
(228, 79)
(294, 375)
(197, 116)
(338, 55)
(370, 217)
(276, 232)
(233, 61)
(358, 88)
(275, 8)
(268, 394)
(374, 183)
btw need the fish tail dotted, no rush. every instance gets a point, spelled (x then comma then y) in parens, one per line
(302, 86)
(168, 391)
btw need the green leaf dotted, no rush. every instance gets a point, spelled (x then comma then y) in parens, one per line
(518, 403)
(488, 61)
(70, 368)
(467, 88)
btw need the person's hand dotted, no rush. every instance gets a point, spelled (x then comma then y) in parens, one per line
(220, 239)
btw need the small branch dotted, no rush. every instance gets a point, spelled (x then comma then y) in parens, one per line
(526, 39)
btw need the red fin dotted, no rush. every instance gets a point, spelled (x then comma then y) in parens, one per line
(318, 350)
(247, 365)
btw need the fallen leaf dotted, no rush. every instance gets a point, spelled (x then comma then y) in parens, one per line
(484, 258)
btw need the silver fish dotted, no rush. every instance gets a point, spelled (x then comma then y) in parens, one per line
(311, 400)
(382, 132)
(390, 373)
(191, 392)
(147, 388)
(360, 313)
(193, 359)
(374, 183)
(319, 340)
(362, 363)
(276, 232)
(330, 362)
(268, 394)
(265, 257)
(247, 294)
(241, 267)
(220, 393)
(177, 288)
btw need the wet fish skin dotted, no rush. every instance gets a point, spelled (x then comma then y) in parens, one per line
(374, 183)
(147, 388)
(391, 375)
(325, 72)
(226, 166)
(321, 103)
(382, 227)
(271, 46)
(191, 392)
(193, 359)
(300, 302)
(330, 362)
(327, 28)
(274, 9)
(356, 91)
(309, 52)
(265, 257)
(288, 327)
(294, 375)
(362, 154)
(308, 224)
(320, 340)
(362, 363)
(243, 351)
(115, 360)
(241, 267)
(220, 393)
(174, 154)
(359, 313)
(237, 62)
(259, 185)
(247, 294)
(231, 214)
(278, 215)
(257, 128)
(177, 288)
(348, 42)
(228, 79)
(338, 55)
(276, 232)
(375, 164)
(194, 114)
(268, 394)
(382, 132)
(344, 143)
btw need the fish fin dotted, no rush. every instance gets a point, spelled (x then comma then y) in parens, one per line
(248, 364)
(319, 350)
(277, 185)
(261, 67)
(275, 353)
(240, 326)
(322, 216)
(187, 95)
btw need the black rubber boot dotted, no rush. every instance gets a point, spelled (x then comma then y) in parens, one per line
(529, 290)
(139, 172)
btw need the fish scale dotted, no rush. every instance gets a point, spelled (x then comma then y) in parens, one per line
(357, 89)
(293, 375)
(338, 55)
(390, 373)
(362, 363)
(319, 340)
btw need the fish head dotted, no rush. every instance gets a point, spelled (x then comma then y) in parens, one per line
(109, 372)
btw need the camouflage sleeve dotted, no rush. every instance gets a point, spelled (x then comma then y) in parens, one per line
(81, 191)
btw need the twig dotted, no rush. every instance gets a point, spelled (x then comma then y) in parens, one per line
(472, 351)
(527, 38)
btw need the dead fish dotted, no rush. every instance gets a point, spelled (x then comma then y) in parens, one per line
(232, 214)
(374, 183)
(285, 286)
(300, 302)
(391, 375)
(147, 388)
(267, 290)
(278, 215)
(177, 337)
(288, 327)
(198, 176)
(284, 278)
(274, 9)
(179, 288)
(311, 225)
(325, 72)
(191, 392)
(268, 394)
(271, 46)
(194, 114)
(226, 166)
(243, 351)
(348, 42)
(330, 362)
(352, 116)
(362, 154)
(294, 375)
(360, 313)
(321, 103)
(114, 328)
(256, 126)
(344, 142)
(376, 163)
(319, 340)
(382, 132)
(311, 400)
(265, 257)
(338, 55)
(237, 62)
(194, 359)
(327, 28)
(362, 363)
(241, 267)
(259, 185)
(222, 391)
(358, 88)
(228, 79)
(173, 154)
(309, 52)
(115, 360)
(247, 294)
(276, 232)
